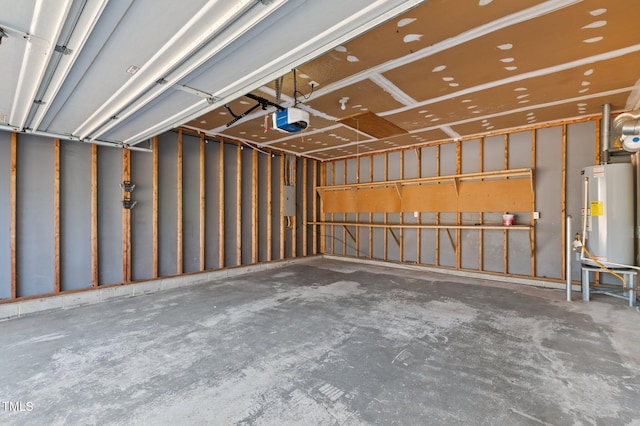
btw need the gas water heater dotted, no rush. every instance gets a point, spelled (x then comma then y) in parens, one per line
(609, 203)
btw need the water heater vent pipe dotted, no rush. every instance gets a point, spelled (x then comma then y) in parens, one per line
(605, 133)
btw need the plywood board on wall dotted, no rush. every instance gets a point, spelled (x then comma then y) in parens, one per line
(436, 197)
(510, 195)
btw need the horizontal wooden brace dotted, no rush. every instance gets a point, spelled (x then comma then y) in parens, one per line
(424, 226)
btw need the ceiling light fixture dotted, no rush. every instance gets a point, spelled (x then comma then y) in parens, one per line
(343, 103)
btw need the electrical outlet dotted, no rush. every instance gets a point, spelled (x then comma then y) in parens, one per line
(415, 214)
(536, 215)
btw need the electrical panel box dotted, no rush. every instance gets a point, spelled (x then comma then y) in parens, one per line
(289, 200)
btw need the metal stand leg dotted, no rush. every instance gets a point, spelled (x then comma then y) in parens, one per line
(585, 284)
(632, 291)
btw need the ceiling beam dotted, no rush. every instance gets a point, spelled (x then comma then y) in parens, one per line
(46, 24)
(184, 53)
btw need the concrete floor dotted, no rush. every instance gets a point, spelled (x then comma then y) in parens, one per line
(327, 342)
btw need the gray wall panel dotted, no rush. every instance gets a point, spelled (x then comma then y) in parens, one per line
(34, 233)
(352, 169)
(5, 215)
(109, 215)
(141, 216)
(167, 201)
(411, 164)
(230, 205)
(448, 159)
(212, 215)
(394, 165)
(247, 200)
(191, 203)
(263, 161)
(548, 176)
(429, 160)
(275, 207)
(75, 215)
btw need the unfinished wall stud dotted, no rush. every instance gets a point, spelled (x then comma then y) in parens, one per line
(94, 216)
(304, 207)
(283, 225)
(12, 213)
(269, 209)
(254, 206)
(239, 205)
(56, 215)
(179, 235)
(202, 198)
(221, 220)
(126, 221)
(154, 208)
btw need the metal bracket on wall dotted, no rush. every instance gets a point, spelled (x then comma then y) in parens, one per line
(128, 203)
(127, 186)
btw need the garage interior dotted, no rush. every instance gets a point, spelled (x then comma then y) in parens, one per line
(328, 212)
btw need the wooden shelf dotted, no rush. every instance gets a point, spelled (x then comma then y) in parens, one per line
(497, 191)
(423, 226)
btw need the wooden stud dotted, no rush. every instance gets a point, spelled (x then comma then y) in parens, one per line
(458, 215)
(480, 214)
(532, 232)
(254, 206)
(293, 219)
(269, 207)
(283, 225)
(239, 205)
(386, 177)
(344, 215)
(221, 215)
(94, 216)
(323, 229)
(13, 211)
(419, 218)
(314, 207)
(304, 206)
(370, 214)
(505, 240)
(154, 208)
(401, 243)
(179, 235)
(437, 245)
(563, 199)
(126, 221)
(357, 239)
(202, 203)
(333, 228)
(56, 216)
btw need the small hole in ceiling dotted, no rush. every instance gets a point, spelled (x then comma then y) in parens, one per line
(475, 112)
(582, 104)
(520, 89)
(428, 116)
(203, 121)
(424, 111)
(244, 102)
(486, 124)
(435, 119)
(352, 58)
(412, 37)
(522, 96)
(454, 84)
(472, 106)
(593, 40)
(490, 128)
(510, 68)
(485, 121)
(406, 21)
(340, 49)
(595, 24)
(585, 90)
(506, 46)
(598, 12)
(243, 133)
(222, 113)
(448, 78)
(588, 72)
(506, 60)
(466, 101)
(531, 113)
(484, 2)
(524, 101)
(303, 76)
(439, 68)
(585, 83)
